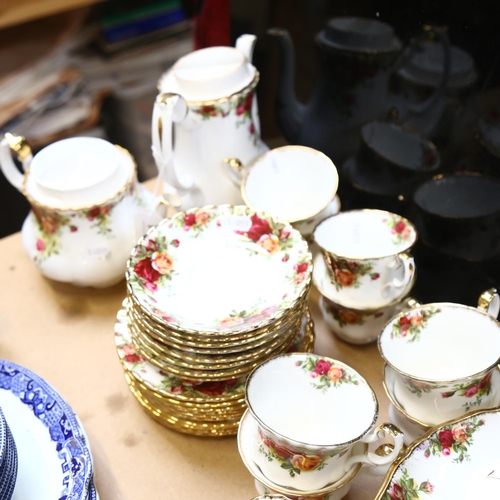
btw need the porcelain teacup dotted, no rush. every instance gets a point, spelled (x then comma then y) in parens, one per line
(443, 356)
(366, 254)
(303, 440)
(294, 183)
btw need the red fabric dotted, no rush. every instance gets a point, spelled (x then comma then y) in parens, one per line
(213, 27)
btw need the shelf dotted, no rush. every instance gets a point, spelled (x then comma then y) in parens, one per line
(13, 12)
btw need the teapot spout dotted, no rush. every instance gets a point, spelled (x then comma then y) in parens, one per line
(290, 111)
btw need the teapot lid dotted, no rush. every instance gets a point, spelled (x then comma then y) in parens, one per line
(427, 65)
(77, 173)
(359, 34)
(209, 74)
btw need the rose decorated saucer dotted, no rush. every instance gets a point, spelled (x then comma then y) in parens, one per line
(457, 460)
(414, 422)
(219, 270)
(54, 458)
(206, 392)
(247, 431)
(325, 287)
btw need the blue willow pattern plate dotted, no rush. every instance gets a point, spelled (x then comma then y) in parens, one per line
(67, 439)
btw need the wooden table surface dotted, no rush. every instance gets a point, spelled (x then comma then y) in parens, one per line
(65, 335)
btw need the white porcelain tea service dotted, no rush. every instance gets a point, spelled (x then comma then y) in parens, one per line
(295, 183)
(207, 102)
(87, 207)
(309, 447)
(441, 359)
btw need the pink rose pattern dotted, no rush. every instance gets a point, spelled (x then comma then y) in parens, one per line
(399, 229)
(453, 440)
(152, 265)
(409, 325)
(472, 391)
(326, 374)
(406, 488)
(51, 223)
(344, 273)
(241, 106)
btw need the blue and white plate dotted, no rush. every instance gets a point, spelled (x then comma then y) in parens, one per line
(54, 458)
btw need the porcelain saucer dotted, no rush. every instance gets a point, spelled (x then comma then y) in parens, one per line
(247, 449)
(54, 459)
(458, 459)
(413, 425)
(324, 285)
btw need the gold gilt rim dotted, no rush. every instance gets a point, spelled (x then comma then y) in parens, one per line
(216, 361)
(303, 295)
(200, 339)
(208, 414)
(195, 374)
(199, 428)
(250, 166)
(105, 201)
(418, 442)
(253, 343)
(245, 90)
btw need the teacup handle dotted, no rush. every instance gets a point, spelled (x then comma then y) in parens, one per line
(489, 301)
(235, 170)
(377, 458)
(168, 108)
(394, 284)
(18, 144)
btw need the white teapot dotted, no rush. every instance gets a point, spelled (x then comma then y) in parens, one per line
(207, 102)
(87, 207)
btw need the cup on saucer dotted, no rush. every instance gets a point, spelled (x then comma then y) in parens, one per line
(310, 445)
(264, 486)
(443, 358)
(354, 325)
(367, 257)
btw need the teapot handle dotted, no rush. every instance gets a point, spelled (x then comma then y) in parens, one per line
(168, 108)
(421, 107)
(18, 144)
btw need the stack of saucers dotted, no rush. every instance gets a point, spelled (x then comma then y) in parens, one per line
(8, 460)
(365, 271)
(212, 293)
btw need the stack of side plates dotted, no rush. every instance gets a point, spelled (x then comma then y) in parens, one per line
(206, 408)
(54, 459)
(212, 293)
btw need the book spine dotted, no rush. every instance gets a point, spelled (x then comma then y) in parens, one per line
(131, 30)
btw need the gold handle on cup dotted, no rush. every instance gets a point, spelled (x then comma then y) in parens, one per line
(384, 450)
(235, 170)
(19, 145)
(489, 301)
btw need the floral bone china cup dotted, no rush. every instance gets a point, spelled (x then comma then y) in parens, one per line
(366, 254)
(85, 199)
(443, 356)
(311, 411)
(208, 100)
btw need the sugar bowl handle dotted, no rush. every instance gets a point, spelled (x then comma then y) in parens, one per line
(489, 301)
(18, 144)
(168, 108)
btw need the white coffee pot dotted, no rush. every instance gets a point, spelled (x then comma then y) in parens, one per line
(206, 112)
(88, 210)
